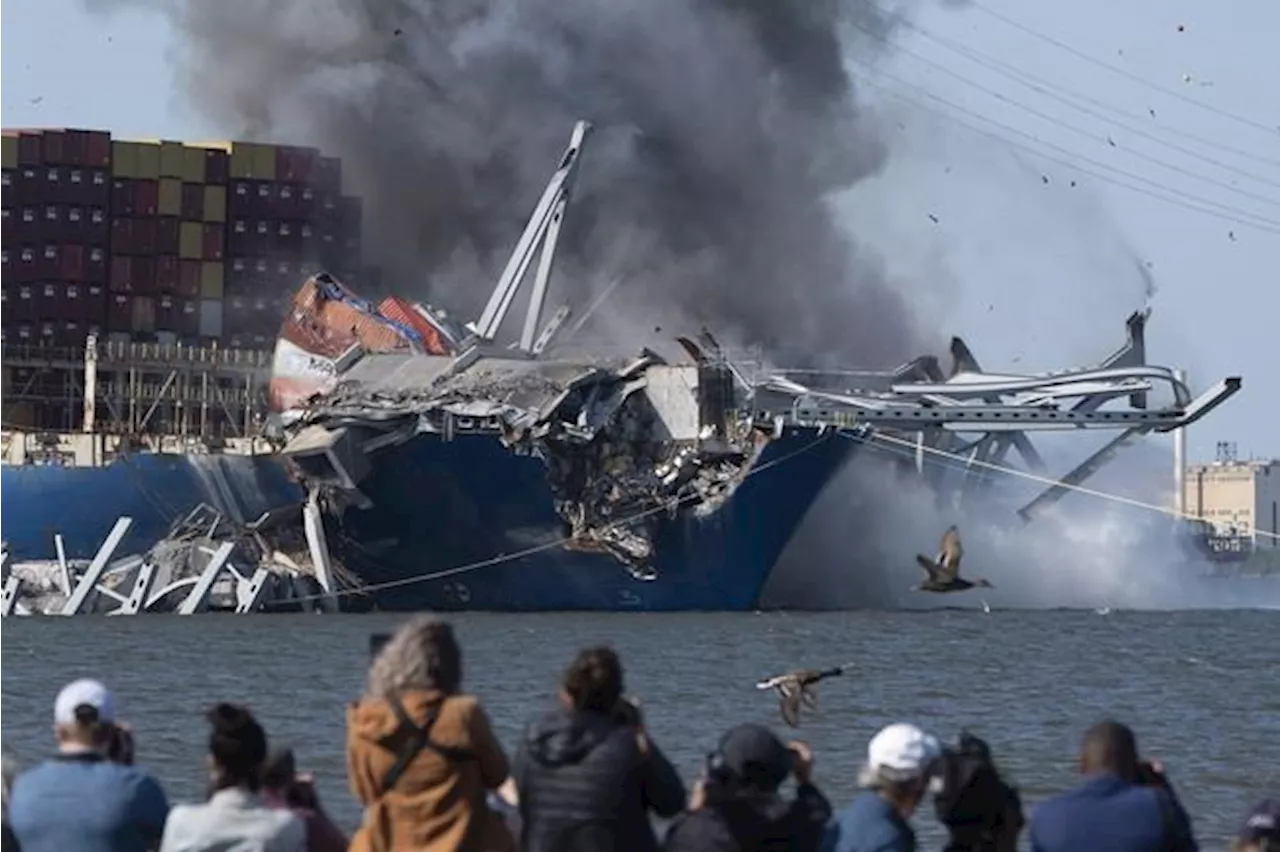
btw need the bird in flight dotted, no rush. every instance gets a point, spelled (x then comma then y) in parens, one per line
(799, 689)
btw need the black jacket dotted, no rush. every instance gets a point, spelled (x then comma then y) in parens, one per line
(759, 822)
(584, 785)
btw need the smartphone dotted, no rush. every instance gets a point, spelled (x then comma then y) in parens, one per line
(376, 641)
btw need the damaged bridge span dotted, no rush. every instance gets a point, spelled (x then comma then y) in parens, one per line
(433, 446)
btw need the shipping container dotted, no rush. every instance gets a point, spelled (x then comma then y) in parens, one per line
(264, 162)
(97, 149)
(171, 159)
(50, 261)
(211, 241)
(146, 194)
(189, 278)
(22, 303)
(211, 280)
(9, 152)
(74, 143)
(167, 313)
(192, 201)
(143, 314)
(119, 312)
(72, 262)
(98, 232)
(190, 240)
(210, 318)
(328, 175)
(122, 236)
(124, 160)
(121, 274)
(167, 235)
(51, 148)
(215, 204)
(148, 160)
(241, 160)
(217, 167)
(29, 149)
(166, 338)
(144, 236)
(193, 164)
(144, 276)
(95, 269)
(170, 199)
(122, 197)
(166, 274)
(189, 319)
(95, 304)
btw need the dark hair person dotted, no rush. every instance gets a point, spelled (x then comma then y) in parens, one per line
(588, 772)
(1124, 803)
(235, 814)
(421, 755)
(284, 788)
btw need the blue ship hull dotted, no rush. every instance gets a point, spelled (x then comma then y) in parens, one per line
(468, 525)
(83, 503)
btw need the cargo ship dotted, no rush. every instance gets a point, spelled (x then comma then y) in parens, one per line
(456, 472)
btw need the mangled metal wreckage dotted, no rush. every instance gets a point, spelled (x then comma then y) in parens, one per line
(458, 473)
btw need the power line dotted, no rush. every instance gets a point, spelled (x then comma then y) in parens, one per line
(1065, 124)
(1271, 131)
(1064, 95)
(1196, 203)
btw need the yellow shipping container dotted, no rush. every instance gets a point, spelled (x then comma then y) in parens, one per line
(211, 279)
(215, 203)
(190, 240)
(10, 152)
(171, 159)
(148, 160)
(124, 159)
(264, 162)
(170, 197)
(242, 159)
(192, 164)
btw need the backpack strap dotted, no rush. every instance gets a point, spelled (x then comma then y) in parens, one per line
(414, 744)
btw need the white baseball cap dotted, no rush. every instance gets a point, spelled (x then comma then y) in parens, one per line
(903, 750)
(80, 693)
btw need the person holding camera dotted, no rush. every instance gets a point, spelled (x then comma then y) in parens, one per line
(901, 759)
(736, 806)
(83, 799)
(588, 774)
(1123, 805)
(981, 812)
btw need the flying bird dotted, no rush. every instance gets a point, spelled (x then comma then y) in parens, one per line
(944, 571)
(799, 688)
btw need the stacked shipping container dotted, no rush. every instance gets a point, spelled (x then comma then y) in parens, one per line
(161, 240)
(56, 238)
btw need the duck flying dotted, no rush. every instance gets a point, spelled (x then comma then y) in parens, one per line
(798, 689)
(944, 571)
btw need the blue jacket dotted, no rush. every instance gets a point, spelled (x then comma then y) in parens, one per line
(869, 824)
(1108, 814)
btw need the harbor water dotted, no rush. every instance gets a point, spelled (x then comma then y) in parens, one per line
(1199, 687)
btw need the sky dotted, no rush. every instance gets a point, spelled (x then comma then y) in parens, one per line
(1003, 209)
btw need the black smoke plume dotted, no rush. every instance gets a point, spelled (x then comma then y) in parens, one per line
(722, 129)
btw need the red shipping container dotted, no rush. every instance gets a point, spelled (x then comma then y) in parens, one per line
(193, 201)
(51, 148)
(122, 236)
(167, 313)
(119, 312)
(143, 275)
(189, 318)
(97, 149)
(98, 233)
(216, 166)
(29, 149)
(166, 274)
(121, 274)
(167, 230)
(50, 262)
(188, 278)
(398, 310)
(146, 197)
(144, 236)
(94, 309)
(212, 241)
(122, 197)
(72, 262)
(73, 147)
(95, 268)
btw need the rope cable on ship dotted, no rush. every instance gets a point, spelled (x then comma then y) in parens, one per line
(868, 437)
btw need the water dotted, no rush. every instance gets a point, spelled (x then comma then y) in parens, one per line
(1198, 687)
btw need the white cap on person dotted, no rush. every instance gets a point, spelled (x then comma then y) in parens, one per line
(82, 693)
(902, 752)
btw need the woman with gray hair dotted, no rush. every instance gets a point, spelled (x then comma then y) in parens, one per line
(421, 755)
(7, 838)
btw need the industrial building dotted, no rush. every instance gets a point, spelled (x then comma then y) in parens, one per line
(1239, 500)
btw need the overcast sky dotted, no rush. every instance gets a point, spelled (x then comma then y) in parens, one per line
(1034, 253)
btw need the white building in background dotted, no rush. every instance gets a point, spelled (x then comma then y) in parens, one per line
(1237, 499)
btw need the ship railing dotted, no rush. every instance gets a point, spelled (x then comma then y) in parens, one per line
(171, 354)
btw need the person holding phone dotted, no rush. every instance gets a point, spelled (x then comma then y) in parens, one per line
(588, 773)
(737, 805)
